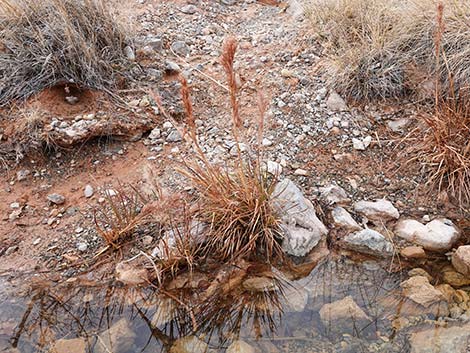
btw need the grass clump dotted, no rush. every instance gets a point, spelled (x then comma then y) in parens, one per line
(380, 49)
(235, 203)
(51, 42)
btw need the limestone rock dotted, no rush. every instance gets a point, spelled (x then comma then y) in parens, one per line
(413, 252)
(129, 275)
(334, 194)
(344, 312)
(461, 260)
(342, 219)
(441, 340)
(302, 228)
(419, 290)
(56, 199)
(370, 242)
(119, 338)
(378, 210)
(437, 235)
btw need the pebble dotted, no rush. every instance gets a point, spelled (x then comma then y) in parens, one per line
(188, 9)
(56, 199)
(88, 192)
(22, 174)
(301, 172)
(174, 136)
(180, 48)
(82, 247)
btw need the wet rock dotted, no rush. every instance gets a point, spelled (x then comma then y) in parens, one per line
(437, 235)
(461, 260)
(413, 252)
(302, 228)
(240, 347)
(455, 279)
(296, 298)
(335, 103)
(333, 194)
(419, 290)
(74, 345)
(441, 340)
(119, 338)
(259, 284)
(342, 219)
(369, 242)
(129, 275)
(189, 344)
(88, 192)
(343, 314)
(56, 199)
(378, 210)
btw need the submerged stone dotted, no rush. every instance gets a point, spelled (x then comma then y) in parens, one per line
(119, 338)
(190, 344)
(343, 315)
(441, 340)
(73, 345)
(240, 347)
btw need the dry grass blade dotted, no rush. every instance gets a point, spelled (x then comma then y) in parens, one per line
(50, 42)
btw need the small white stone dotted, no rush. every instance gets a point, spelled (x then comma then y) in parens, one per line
(88, 192)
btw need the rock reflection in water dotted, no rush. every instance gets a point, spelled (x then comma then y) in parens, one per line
(340, 307)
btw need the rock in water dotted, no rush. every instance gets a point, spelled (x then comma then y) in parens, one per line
(441, 340)
(300, 224)
(189, 344)
(437, 235)
(74, 345)
(119, 338)
(343, 315)
(461, 260)
(370, 242)
(378, 210)
(129, 275)
(240, 347)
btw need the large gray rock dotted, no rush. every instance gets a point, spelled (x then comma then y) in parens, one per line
(378, 210)
(437, 235)
(461, 260)
(119, 338)
(302, 228)
(369, 242)
(442, 340)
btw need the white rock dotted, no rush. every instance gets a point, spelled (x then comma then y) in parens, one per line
(267, 142)
(274, 168)
(167, 125)
(302, 228)
(333, 194)
(155, 134)
(461, 260)
(336, 103)
(342, 219)
(370, 242)
(358, 144)
(88, 192)
(174, 136)
(437, 235)
(378, 210)
(301, 172)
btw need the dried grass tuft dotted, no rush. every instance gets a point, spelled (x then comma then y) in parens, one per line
(49, 42)
(375, 46)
